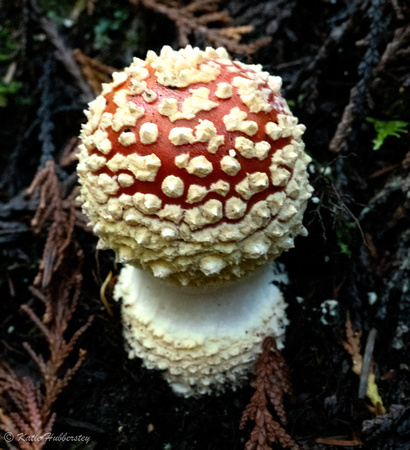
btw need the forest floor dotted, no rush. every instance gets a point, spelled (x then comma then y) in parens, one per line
(345, 66)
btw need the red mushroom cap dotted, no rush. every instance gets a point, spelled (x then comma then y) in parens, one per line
(192, 166)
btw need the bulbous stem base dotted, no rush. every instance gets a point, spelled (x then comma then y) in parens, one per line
(204, 339)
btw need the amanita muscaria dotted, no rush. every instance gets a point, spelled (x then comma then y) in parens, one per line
(193, 171)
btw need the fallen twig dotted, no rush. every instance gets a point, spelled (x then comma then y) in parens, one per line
(272, 384)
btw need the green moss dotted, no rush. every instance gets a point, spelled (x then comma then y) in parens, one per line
(8, 44)
(344, 237)
(110, 33)
(7, 89)
(386, 128)
(9, 47)
(60, 11)
(105, 25)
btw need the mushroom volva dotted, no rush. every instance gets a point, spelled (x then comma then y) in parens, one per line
(193, 170)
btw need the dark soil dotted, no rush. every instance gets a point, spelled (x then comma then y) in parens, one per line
(341, 62)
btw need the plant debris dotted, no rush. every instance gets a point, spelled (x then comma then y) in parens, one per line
(27, 407)
(272, 383)
(198, 17)
(362, 366)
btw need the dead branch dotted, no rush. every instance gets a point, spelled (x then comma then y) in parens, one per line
(24, 409)
(272, 384)
(197, 18)
(93, 70)
(62, 53)
(395, 51)
(359, 100)
(62, 215)
(309, 77)
(44, 112)
(27, 405)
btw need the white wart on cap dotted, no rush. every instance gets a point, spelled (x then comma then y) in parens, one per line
(193, 167)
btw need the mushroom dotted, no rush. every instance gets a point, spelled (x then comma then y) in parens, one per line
(193, 170)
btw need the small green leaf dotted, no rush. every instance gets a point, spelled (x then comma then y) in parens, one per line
(3, 101)
(8, 89)
(385, 128)
(344, 237)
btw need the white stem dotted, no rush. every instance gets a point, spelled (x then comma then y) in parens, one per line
(202, 337)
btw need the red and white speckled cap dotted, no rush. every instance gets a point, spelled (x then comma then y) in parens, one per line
(192, 166)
